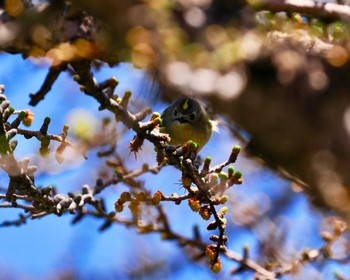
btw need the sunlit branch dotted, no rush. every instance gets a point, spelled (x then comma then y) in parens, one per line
(330, 11)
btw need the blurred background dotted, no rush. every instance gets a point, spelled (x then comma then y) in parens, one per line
(265, 213)
(274, 74)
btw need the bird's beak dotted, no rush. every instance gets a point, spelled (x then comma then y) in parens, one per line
(182, 120)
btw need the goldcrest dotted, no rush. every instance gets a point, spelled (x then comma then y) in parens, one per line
(187, 120)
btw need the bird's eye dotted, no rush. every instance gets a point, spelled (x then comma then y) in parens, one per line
(175, 113)
(192, 116)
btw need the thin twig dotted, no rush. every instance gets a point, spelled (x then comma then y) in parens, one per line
(50, 79)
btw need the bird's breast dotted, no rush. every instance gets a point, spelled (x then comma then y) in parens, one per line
(180, 133)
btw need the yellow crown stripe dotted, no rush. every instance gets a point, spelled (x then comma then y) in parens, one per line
(185, 105)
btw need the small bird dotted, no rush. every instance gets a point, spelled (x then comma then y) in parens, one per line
(187, 120)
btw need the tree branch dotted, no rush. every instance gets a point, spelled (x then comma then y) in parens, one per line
(328, 11)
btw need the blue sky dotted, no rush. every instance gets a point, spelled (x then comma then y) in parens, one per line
(43, 247)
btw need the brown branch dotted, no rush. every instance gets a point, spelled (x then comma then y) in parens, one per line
(39, 135)
(50, 79)
(113, 181)
(250, 264)
(9, 205)
(232, 159)
(328, 11)
(176, 198)
(20, 221)
(197, 243)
